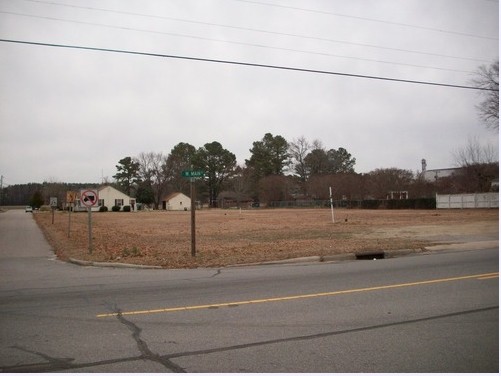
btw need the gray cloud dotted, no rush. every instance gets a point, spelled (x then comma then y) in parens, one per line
(71, 114)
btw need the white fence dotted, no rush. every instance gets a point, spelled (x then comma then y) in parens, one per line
(468, 201)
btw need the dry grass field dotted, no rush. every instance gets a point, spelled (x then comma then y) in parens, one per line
(228, 237)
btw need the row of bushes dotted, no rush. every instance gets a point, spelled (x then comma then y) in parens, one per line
(415, 203)
(115, 208)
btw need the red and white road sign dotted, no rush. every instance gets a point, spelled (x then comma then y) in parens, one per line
(89, 197)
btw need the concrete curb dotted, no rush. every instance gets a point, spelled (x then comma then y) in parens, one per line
(387, 254)
(112, 264)
(464, 246)
(328, 258)
(340, 257)
(293, 261)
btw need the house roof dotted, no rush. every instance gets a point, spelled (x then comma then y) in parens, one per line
(172, 195)
(109, 186)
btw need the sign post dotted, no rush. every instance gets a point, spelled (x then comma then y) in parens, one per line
(192, 175)
(53, 206)
(70, 200)
(89, 198)
(193, 240)
(332, 206)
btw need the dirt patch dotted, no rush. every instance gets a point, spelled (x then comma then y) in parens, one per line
(228, 237)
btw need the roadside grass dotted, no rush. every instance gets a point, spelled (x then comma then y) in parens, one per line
(228, 237)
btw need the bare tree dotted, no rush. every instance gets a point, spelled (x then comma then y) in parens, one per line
(298, 149)
(317, 144)
(479, 167)
(152, 171)
(384, 180)
(475, 154)
(487, 78)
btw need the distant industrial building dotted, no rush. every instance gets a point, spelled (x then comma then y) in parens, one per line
(434, 175)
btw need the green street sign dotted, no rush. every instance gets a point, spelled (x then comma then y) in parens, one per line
(192, 174)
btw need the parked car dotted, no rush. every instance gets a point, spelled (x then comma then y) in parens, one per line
(28, 209)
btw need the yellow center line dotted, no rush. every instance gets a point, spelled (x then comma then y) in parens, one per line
(295, 297)
(489, 277)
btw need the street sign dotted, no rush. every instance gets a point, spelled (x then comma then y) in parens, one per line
(71, 197)
(89, 197)
(192, 174)
(53, 202)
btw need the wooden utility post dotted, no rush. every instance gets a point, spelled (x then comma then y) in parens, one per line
(70, 201)
(193, 228)
(192, 175)
(53, 206)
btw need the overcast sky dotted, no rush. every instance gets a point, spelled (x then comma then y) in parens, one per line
(70, 115)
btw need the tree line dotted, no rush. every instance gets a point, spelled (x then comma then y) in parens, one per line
(277, 170)
(150, 176)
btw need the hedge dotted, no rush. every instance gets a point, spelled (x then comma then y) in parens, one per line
(414, 203)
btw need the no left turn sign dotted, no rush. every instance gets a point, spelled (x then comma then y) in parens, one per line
(89, 197)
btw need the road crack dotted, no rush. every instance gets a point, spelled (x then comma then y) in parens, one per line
(326, 334)
(145, 351)
(53, 363)
(218, 271)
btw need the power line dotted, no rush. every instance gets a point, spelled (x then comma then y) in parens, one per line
(330, 40)
(235, 42)
(241, 63)
(368, 19)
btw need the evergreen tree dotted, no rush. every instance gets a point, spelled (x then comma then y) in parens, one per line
(128, 174)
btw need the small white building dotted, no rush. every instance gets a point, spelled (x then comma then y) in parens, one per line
(176, 201)
(109, 197)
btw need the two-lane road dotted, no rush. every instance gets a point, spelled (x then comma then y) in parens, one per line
(432, 313)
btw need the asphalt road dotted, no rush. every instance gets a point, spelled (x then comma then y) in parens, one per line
(426, 313)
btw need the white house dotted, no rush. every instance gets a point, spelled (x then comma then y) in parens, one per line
(176, 201)
(109, 197)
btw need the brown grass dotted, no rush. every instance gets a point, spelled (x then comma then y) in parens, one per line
(226, 237)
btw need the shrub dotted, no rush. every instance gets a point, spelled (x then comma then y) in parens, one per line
(426, 203)
(115, 208)
(414, 203)
(126, 208)
(370, 204)
(133, 252)
(103, 209)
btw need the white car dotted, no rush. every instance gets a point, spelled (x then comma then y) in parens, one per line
(28, 209)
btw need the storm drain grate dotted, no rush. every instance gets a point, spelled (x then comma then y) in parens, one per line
(370, 255)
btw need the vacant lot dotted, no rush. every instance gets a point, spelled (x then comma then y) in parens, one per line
(226, 237)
